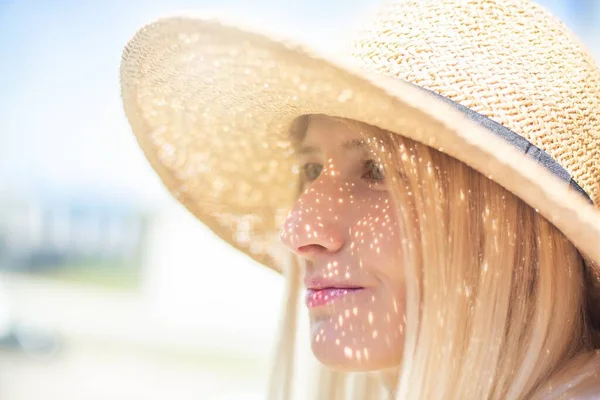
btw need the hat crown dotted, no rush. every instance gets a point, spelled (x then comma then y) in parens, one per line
(509, 60)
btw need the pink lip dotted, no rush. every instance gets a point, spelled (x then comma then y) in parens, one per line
(320, 297)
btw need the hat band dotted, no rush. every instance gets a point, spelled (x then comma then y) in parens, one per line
(517, 141)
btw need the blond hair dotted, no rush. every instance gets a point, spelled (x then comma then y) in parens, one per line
(495, 293)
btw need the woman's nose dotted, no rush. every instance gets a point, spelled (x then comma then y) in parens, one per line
(314, 225)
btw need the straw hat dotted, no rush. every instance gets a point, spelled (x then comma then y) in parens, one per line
(498, 84)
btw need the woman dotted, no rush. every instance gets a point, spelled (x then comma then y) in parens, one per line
(437, 196)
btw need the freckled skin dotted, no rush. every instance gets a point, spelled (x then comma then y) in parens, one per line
(345, 227)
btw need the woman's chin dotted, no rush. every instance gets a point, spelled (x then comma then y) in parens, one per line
(339, 362)
(340, 354)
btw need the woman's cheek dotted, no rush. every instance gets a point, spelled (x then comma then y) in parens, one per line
(374, 239)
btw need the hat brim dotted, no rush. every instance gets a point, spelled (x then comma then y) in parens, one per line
(211, 105)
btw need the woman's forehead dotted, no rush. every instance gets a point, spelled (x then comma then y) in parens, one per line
(322, 129)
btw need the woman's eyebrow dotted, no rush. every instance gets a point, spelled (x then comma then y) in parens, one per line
(355, 144)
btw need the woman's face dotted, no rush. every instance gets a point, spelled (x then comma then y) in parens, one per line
(345, 227)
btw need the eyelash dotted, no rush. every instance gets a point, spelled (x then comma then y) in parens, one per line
(365, 165)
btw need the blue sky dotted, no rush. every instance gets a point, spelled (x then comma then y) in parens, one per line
(61, 121)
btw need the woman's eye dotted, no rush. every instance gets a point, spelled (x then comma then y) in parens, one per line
(372, 172)
(312, 171)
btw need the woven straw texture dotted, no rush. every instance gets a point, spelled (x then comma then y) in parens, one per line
(508, 60)
(211, 106)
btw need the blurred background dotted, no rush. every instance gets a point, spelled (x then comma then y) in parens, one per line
(108, 288)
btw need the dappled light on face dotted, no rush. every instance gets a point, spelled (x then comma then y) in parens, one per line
(345, 228)
(346, 337)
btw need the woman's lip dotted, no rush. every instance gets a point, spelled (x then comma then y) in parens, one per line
(320, 297)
